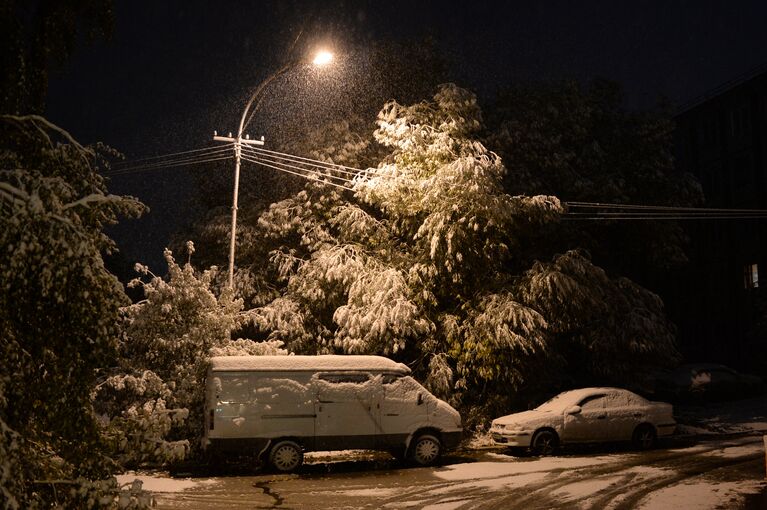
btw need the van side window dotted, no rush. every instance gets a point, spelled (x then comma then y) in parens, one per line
(357, 378)
(233, 389)
(390, 378)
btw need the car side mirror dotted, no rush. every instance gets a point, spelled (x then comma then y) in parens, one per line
(574, 410)
(420, 399)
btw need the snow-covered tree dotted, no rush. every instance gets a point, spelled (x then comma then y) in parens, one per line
(59, 313)
(430, 261)
(151, 405)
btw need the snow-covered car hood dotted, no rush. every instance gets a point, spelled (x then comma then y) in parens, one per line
(530, 418)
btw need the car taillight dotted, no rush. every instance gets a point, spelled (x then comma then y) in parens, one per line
(210, 419)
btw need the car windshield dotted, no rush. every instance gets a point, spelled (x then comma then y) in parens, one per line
(560, 401)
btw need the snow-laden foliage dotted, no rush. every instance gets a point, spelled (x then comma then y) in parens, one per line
(379, 316)
(59, 310)
(431, 262)
(619, 326)
(443, 189)
(152, 405)
(498, 331)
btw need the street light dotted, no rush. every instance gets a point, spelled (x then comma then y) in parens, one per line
(321, 58)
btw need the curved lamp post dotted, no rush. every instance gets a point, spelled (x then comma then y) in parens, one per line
(321, 58)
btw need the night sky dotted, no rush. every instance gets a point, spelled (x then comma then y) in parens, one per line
(174, 71)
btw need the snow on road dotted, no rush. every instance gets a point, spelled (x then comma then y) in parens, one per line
(701, 496)
(713, 474)
(162, 484)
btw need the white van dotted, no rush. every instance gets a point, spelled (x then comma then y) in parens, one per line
(279, 407)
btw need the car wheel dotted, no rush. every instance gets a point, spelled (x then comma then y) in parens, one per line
(286, 456)
(425, 450)
(545, 442)
(644, 437)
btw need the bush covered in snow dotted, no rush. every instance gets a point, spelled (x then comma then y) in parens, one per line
(151, 405)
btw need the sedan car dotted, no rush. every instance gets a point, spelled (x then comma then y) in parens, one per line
(587, 415)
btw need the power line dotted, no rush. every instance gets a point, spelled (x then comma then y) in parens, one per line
(307, 172)
(305, 176)
(172, 154)
(354, 171)
(212, 154)
(596, 211)
(297, 164)
(600, 205)
(659, 218)
(322, 171)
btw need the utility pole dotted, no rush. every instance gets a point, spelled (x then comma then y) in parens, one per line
(238, 143)
(321, 59)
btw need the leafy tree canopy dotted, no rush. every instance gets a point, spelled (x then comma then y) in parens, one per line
(58, 308)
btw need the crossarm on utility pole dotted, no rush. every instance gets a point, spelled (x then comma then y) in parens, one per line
(238, 143)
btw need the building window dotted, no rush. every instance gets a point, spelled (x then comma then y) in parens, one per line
(751, 276)
(740, 123)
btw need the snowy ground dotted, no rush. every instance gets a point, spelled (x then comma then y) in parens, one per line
(742, 416)
(717, 462)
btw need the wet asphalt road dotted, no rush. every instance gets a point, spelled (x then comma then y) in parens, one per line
(716, 473)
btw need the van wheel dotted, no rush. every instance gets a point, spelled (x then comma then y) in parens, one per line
(425, 450)
(286, 456)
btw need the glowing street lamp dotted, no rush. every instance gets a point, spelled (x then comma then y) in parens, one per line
(321, 58)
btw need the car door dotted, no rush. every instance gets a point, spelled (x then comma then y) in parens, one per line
(622, 416)
(588, 425)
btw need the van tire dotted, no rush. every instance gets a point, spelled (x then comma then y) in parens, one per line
(425, 450)
(286, 456)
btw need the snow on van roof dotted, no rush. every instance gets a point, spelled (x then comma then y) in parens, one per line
(307, 363)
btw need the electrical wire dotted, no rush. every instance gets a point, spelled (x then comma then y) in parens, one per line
(172, 164)
(599, 205)
(277, 157)
(596, 211)
(659, 218)
(302, 168)
(173, 154)
(326, 173)
(211, 155)
(340, 168)
(305, 176)
(299, 164)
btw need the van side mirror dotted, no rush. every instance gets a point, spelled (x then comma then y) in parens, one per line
(420, 399)
(574, 410)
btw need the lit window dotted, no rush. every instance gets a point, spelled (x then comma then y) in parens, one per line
(751, 276)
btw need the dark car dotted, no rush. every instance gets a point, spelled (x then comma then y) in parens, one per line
(705, 382)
